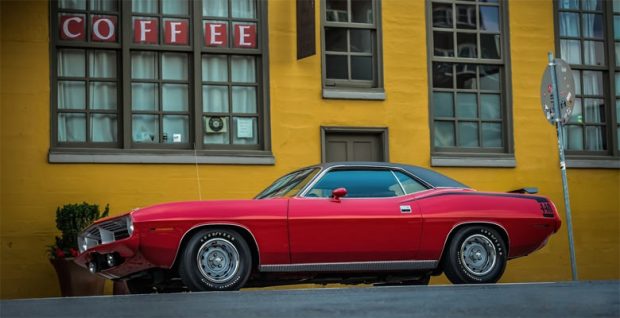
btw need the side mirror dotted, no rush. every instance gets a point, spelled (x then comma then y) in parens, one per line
(338, 193)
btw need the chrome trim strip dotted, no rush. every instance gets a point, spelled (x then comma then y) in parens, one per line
(352, 266)
(474, 222)
(210, 224)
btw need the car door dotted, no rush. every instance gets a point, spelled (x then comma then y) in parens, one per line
(371, 223)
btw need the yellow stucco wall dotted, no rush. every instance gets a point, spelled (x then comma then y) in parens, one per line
(31, 189)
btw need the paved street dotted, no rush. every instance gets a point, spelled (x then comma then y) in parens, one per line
(583, 299)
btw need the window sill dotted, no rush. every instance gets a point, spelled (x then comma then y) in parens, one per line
(499, 162)
(261, 158)
(354, 93)
(593, 163)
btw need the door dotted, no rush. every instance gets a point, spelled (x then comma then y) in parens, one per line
(354, 146)
(371, 223)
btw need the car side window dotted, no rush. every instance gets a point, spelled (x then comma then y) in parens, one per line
(409, 184)
(360, 183)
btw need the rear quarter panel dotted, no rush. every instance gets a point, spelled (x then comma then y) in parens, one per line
(519, 215)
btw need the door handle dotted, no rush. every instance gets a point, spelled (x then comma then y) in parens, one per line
(405, 209)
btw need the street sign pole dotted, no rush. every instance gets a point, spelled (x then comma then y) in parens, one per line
(558, 125)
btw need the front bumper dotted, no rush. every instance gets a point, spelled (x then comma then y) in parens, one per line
(129, 260)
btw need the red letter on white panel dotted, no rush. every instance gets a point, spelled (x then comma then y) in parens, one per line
(145, 31)
(72, 27)
(175, 32)
(216, 34)
(104, 29)
(245, 35)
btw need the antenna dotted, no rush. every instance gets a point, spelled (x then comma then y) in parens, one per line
(197, 174)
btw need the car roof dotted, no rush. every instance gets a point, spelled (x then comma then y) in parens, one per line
(433, 178)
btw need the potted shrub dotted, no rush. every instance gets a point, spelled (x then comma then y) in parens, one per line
(74, 280)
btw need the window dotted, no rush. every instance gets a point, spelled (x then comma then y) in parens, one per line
(359, 184)
(408, 184)
(469, 97)
(351, 45)
(173, 76)
(585, 34)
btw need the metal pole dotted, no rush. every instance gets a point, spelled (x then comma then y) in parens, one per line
(558, 125)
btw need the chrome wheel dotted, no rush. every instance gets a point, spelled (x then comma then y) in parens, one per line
(218, 260)
(478, 254)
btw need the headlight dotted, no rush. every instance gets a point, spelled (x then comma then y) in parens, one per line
(129, 225)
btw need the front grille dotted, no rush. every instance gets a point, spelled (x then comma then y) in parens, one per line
(104, 233)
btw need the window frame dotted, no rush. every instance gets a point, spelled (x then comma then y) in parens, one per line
(128, 151)
(474, 156)
(588, 158)
(349, 88)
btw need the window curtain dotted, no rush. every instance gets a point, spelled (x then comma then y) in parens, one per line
(144, 6)
(243, 9)
(215, 8)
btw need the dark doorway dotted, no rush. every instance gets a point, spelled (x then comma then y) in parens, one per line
(354, 144)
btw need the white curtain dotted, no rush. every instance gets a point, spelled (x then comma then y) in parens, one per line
(103, 127)
(72, 4)
(143, 65)
(174, 66)
(243, 9)
(103, 5)
(71, 63)
(570, 51)
(102, 64)
(215, 8)
(569, 24)
(176, 129)
(71, 127)
(145, 128)
(144, 6)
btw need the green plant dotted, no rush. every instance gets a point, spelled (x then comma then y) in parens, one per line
(71, 220)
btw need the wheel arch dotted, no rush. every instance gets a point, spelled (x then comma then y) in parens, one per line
(496, 226)
(242, 230)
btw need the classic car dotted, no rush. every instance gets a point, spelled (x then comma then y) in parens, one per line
(345, 222)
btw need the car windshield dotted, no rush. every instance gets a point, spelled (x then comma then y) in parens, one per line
(289, 185)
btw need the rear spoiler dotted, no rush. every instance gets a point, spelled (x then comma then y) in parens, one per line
(528, 190)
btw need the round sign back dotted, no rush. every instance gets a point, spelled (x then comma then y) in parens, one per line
(566, 90)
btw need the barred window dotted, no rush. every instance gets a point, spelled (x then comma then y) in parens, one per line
(468, 69)
(165, 75)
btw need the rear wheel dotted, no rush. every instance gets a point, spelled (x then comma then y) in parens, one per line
(476, 254)
(215, 259)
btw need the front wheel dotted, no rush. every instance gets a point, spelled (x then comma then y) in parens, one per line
(215, 259)
(475, 255)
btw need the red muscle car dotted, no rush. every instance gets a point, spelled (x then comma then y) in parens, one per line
(349, 222)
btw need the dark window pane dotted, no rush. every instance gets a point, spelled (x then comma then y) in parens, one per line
(361, 40)
(569, 4)
(592, 25)
(468, 134)
(443, 43)
(489, 18)
(595, 138)
(570, 51)
(465, 17)
(489, 77)
(592, 5)
(442, 15)
(443, 104)
(336, 66)
(467, 45)
(490, 46)
(466, 105)
(444, 134)
(336, 10)
(593, 53)
(594, 110)
(361, 11)
(569, 24)
(442, 75)
(491, 135)
(359, 184)
(335, 39)
(466, 76)
(361, 68)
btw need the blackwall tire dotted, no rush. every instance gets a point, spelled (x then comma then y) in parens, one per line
(215, 259)
(475, 255)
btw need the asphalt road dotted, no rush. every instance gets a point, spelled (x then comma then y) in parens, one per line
(582, 299)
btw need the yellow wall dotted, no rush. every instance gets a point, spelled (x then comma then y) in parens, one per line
(31, 189)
